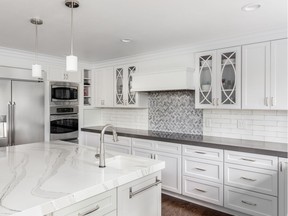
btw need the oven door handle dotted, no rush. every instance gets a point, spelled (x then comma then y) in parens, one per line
(63, 117)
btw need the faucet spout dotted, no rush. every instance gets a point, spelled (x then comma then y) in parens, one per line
(102, 163)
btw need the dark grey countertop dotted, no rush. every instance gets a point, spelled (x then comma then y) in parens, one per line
(251, 146)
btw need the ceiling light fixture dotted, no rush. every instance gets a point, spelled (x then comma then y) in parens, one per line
(36, 68)
(126, 40)
(71, 60)
(250, 7)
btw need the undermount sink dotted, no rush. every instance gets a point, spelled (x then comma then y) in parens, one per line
(125, 162)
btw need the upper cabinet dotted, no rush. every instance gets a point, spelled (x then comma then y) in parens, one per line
(60, 74)
(265, 76)
(104, 87)
(219, 79)
(123, 96)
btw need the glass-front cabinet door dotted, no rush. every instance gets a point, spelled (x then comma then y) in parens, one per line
(131, 95)
(229, 78)
(205, 92)
(119, 86)
(219, 79)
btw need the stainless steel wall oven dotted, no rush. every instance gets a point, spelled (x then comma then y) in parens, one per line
(63, 122)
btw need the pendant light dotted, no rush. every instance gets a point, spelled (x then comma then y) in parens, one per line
(71, 60)
(36, 68)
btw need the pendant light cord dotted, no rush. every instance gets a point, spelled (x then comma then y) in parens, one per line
(72, 38)
(36, 43)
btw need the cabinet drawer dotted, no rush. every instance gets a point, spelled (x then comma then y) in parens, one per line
(124, 141)
(201, 152)
(142, 143)
(98, 205)
(200, 168)
(254, 179)
(251, 203)
(253, 160)
(168, 147)
(203, 190)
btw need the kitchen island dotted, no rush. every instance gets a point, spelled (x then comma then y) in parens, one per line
(53, 178)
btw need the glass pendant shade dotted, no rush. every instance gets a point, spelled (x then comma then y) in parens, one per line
(71, 63)
(36, 71)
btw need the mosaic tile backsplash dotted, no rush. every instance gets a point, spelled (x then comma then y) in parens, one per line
(174, 111)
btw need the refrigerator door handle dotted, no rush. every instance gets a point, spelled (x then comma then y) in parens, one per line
(9, 128)
(13, 123)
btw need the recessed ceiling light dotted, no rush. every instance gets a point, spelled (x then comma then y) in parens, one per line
(126, 40)
(250, 7)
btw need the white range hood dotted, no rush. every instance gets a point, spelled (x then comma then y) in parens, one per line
(164, 80)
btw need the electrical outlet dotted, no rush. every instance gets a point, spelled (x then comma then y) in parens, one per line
(241, 124)
(208, 122)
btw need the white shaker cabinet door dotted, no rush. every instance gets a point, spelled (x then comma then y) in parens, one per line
(171, 175)
(256, 76)
(279, 75)
(141, 197)
(104, 87)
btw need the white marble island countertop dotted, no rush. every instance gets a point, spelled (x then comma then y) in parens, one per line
(37, 179)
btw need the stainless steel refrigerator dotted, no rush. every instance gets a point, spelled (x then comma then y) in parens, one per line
(21, 111)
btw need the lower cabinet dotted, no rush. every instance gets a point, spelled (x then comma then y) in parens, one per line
(100, 205)
(251, 203)
(203, 190)
(283, 186)
(141, 197)
(171, 175)
(248, 188)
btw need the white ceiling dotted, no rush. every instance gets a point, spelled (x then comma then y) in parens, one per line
(152, 24)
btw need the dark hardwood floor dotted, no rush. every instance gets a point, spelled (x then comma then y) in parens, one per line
(175, 207)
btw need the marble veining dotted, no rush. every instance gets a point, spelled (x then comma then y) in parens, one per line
(37, 179)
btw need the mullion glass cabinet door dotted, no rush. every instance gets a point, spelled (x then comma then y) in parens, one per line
(131, 95)
(119, 97)
(229, 78)
(205, 96)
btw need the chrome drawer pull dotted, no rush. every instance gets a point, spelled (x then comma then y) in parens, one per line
(246, 159)
(200, 152)
(200, 169)
(89, 211)
(248, 203)
(132, 194)
(203, 191)
(248, 179)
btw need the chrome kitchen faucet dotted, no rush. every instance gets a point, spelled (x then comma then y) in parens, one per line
(102, 149)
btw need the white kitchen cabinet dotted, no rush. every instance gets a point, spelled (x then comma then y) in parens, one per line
(141, 197)
(265, 76)
(171, 154)
(104, 87)
(99, 205)
(60, 74)
(250, 203)
(203, 190)
(251, 183)
(123, 96)
(283, 186)
(118, 148)
(219, 79)
(279, 75)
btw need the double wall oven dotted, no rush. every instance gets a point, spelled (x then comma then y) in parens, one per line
(64, 111)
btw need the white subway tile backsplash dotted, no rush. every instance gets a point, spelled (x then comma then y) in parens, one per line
(263, 125)
(126, 118)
